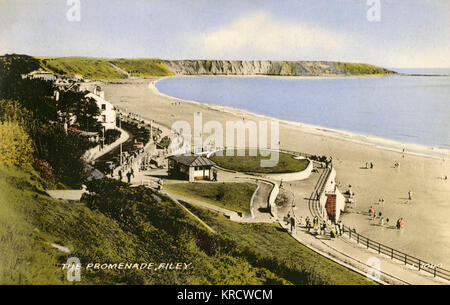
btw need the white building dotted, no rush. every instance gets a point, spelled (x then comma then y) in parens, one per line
(107, 115)
(40, 74)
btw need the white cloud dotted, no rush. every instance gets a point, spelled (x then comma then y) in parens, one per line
(261, 36)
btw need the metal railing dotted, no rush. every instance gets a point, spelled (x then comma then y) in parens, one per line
(406, 259)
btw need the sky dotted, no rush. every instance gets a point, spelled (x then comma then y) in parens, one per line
(407, 34)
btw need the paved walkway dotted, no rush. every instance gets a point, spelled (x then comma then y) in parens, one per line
(95, 153)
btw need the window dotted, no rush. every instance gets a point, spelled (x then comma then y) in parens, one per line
(103, 106)
(103, 118)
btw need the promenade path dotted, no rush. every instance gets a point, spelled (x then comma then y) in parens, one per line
(95, 152)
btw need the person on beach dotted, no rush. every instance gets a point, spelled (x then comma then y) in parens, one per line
(371, 211)
(410, 195)
(381, 221)
(371, 165)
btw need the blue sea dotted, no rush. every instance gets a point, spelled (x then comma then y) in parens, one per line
(410, 109)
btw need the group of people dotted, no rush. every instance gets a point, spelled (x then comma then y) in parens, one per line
(369, 165)
(322, 227)
(373, 215)
(128, 174)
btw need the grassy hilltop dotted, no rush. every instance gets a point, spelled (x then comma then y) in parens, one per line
(101, 68)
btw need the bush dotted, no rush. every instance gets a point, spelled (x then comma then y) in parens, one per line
(15, 146)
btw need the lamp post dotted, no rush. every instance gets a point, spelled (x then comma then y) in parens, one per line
(120, 127)
(103, 138)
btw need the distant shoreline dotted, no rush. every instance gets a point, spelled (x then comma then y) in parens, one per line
(379, 142)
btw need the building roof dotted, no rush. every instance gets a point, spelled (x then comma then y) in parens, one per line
(192, 160)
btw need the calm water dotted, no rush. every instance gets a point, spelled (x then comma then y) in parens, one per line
(403, 108)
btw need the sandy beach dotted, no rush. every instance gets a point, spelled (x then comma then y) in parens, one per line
(427, 231)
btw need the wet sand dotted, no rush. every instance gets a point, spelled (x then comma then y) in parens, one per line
(427, 231)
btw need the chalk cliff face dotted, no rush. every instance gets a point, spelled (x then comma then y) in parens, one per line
(253, 67)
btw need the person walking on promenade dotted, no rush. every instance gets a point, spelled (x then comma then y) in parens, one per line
(324, 228)
(132, 171)
(120, 175)
(129, 176)
(338, 229)
(292, 225)
(308, 223)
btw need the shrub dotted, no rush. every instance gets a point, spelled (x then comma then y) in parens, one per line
(15, 146)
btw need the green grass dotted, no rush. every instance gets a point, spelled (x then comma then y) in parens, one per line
(90, 68)
(101, 69)
(362, 69)
(252, 164)
(143, 67)
(271, 246)
(232, 196)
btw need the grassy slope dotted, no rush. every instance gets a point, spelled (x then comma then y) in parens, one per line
(232, 196)
(100, 68)
(143, 67)
(247, 254)
(90, 68)
(247, 164)
(270, 246)
(362, 69)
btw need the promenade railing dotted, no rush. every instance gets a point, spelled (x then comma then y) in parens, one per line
(404, 258)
